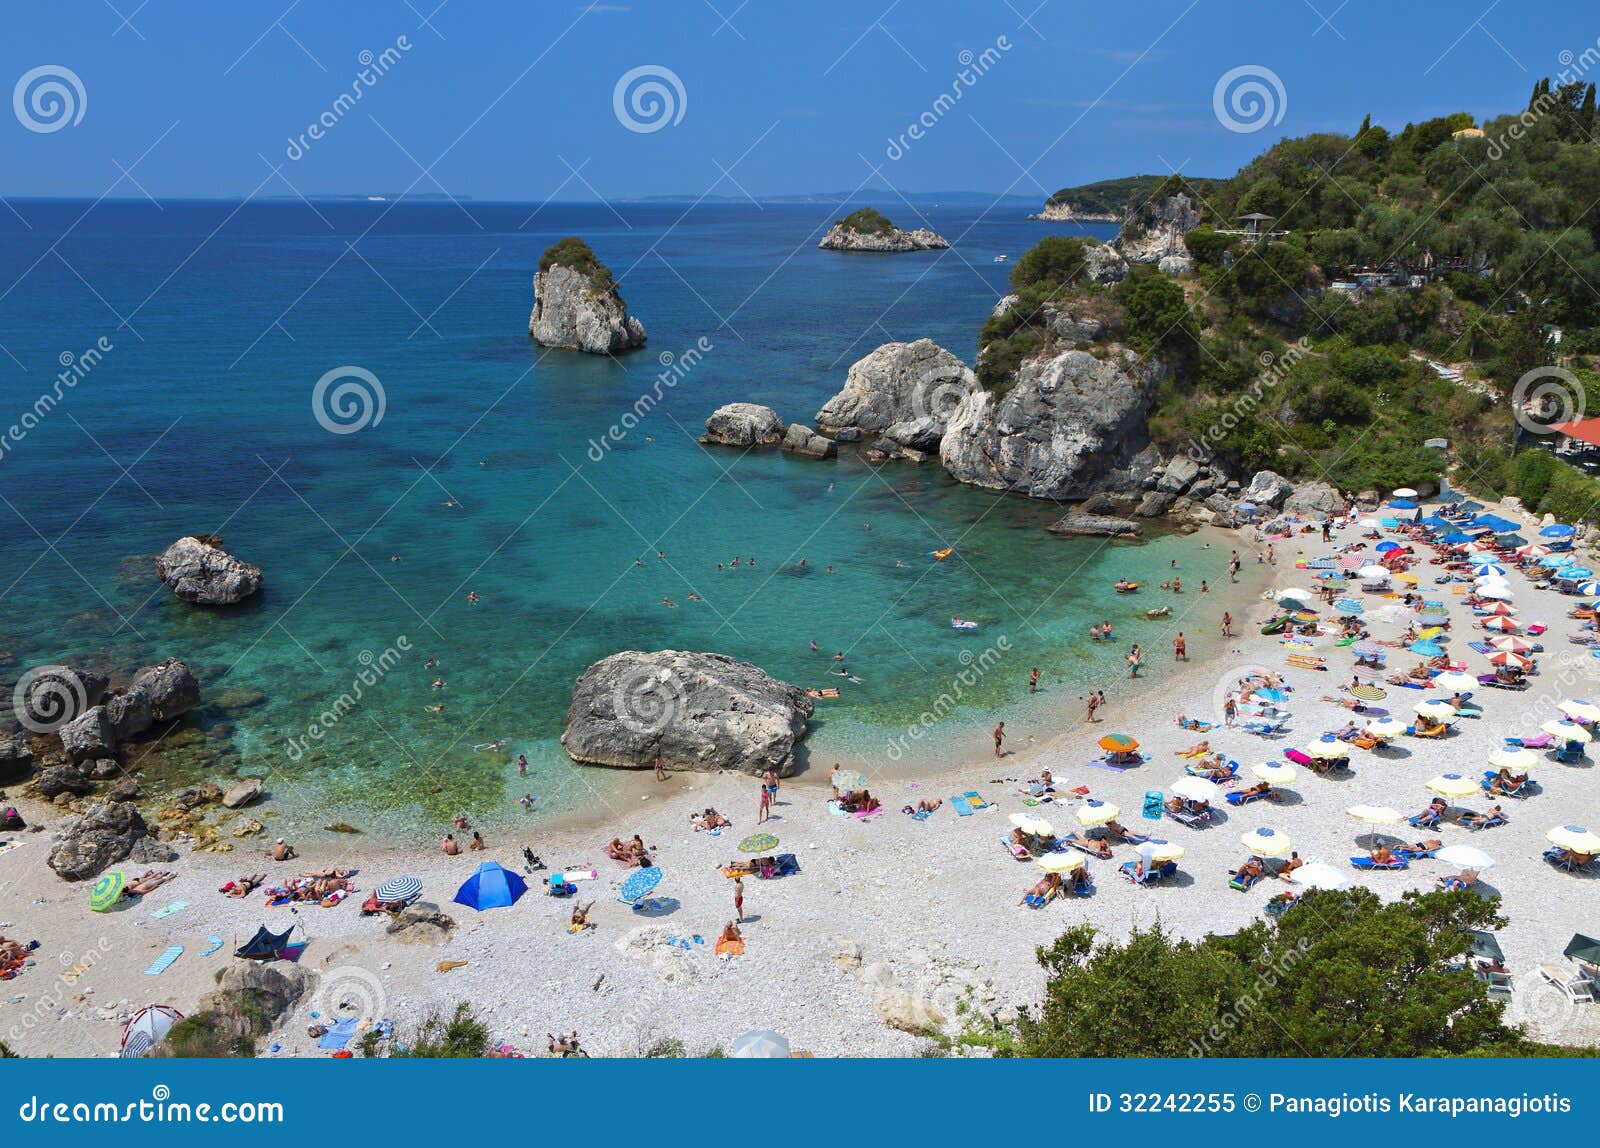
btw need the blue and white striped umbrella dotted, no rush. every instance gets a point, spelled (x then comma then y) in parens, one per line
(639, 883)
(1488, 568)
(406, 889)
(1349, 606)
(1589, 589)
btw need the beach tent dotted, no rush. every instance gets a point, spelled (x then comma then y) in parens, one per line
(1558, 530)
(491, 886)
(264, 946)
(760, 1043)
(1582, 948)
(147, 1027)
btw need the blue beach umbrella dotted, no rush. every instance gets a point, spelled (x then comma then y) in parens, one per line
(1385, 546)
(1349, 606)
(1558, 530)
(1555, 561)
(639, 883)
(1456, 538)
(490, 887)
(1427, 648)
(1575, 574)
(1402, 504)
(1488, 568)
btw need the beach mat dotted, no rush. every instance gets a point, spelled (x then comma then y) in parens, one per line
(975, 801)
(214, 944)
(338, 1034)
(164, 962)
(166, 911)
(960, 805)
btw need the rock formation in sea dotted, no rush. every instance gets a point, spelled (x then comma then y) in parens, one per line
(1154, 233)
(902, 395)
(803, 440)
(700, 712)
(743, 425)
(1061, 212)
(200, 570)
(576, 304)
(867, 230)
(158, 693)
(1079, 524)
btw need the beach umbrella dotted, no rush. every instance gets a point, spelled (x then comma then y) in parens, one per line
(1568, 731)
(1372, 573)
(1436, 709)
(1488, 568)
(1427, 648)
(1033, 826)
(402, 889)
(1407, 577)
(1580, 711)
(1589, 589)
(490, 887)
(1196, 789)
(147, 1027)
(1499, 609)
(1375, 814)
(1368, 650)
(1501, 624)
(1532, 550)
(1513, 643)
(106, 891)
(1349, 606)
(1335, 582)
(1429, 633)
(849, 780)
(1368, 672)
(1575, 838)
(1513, 757)
(1386, 727)
(1404, 492)
(1329, 748)
(639, 883)
(1274, 773)
(1266, 842)
(1387, 545)
(760, 1044)
(1507, 658)
(1556, 561)
(1118, 743)
(1352, 561)
(1369, 693)
(1160, 851)
(1296, 594)
(1574, 573)
(1455, 681)
(1558, 530)
(1452, 785)
(1319, 875)
(1097, 812)
(1060, 862)
(1465, 856)
(757, 843)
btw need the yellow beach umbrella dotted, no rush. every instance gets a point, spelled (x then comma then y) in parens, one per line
(1452, 785)
(1097, 812)
(1438, 710)
(1567, 731)
(1036, 826)
(1266, 842)
(1407, 577)
(1161, 851)
(1386, 727)
(1061, 862)
(1580, 711)
(1274, 773)
(1328, 749)
(1513, 757)
(1575, 838)
(1375, 814)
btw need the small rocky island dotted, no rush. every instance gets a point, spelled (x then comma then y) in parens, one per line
(701, 712)
(870, 230)
(199, 569)
(576, 304)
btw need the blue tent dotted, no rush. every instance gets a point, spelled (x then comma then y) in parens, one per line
(1456, 538)
(1495, 523)
(491, 887)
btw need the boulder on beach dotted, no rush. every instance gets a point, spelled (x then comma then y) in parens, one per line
(90, 735)
(909, 388)
(199, 570)
(696, 711)
(576, 304)
(171, 687)
(55, 780)
(743, 425)
(108, 832)
(55, 695)
(242, 793)
(16, 759)
(869, 230)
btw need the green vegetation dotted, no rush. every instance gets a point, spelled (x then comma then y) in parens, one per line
(866, 221)
(574, 253)
(1111, 196)
(668, 1048)
(6, 1053)
(207, 1036)
(462, 1037)
(1340, 974)
(1471, 247)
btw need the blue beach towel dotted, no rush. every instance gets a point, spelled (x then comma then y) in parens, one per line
(166, 911)
(164, 962)
(338, 1034)
(960, 805)
(215, 944)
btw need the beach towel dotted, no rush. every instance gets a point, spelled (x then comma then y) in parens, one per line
(1101, 763)
(166, 911)
(164, 962)
(8, 846)
(1480, 647)
(215, 944)
(922, 815)
(338, 1034)
(833, 808)
(960, 805)
(975, 801)
(727, 949)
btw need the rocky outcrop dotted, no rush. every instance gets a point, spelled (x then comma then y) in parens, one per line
(1314, 499)
(242, 793)
(110, 831)
(579, 311)
(55, 695)
(1081, 525)
(743, 425)
(1268, 488)
(199, 570)
(16, 759)
(905, 392)
(251, 999)
(802, 440)
(55, 780)
(158, 693)
(1156, 231)
(171, 687)
(696, 711)
(421, 923)
(1103, 264)
(89, 736)
(1054, 212)
(1067, 420)
(842, 238)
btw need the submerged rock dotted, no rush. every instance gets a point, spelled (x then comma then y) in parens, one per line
(576, 305)
(907, 385)
(697, 711)
(743, 425)
(1083, 525)
(199, 570)
(801, 439)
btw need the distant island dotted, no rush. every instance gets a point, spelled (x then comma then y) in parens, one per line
(870, 230)
(1107, 201)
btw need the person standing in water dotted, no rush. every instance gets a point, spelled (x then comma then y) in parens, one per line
(999, 737)
(1033, 680)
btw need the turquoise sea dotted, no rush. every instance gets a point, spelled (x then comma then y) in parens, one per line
(214, 321)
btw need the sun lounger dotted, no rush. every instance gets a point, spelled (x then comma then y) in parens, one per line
(1080, 882)
(1299, 757)
(1427, 819)
(1245, 796)
(1129, 869)
(1577, 988)
(1016, 850)
(1562, 859)
(1368, 864)
(1367, 741)
(1191, 818)
(1521, 790)
(1538, 741)
(1263, 727)
(1408, 854)
(1494, 822)
(1073, 841)
(1243, 881)
(1438, 730)
(1040, 900)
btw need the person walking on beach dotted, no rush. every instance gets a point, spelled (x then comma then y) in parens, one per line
(738, 899)
(1180, 649)
(765, 810)
(999, 736)
(1033, 680)
(1092, 704)
(1227, 624)
(769, 783)
(1230, 711)
(1233, 567)
(1135, 657)
(660, 773)
(1271, 561)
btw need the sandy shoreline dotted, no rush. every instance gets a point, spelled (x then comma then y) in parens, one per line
(889, 917)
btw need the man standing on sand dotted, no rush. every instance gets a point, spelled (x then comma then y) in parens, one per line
(1233, 567)
(1230, 711)
(661, 774)
(1033, 680)
(769, 782)
(1180, 649)
(738, 899)
(999, 736)
(1092, 703)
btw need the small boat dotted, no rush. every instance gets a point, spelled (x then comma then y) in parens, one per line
(1001, 258)
(1125, 587)
(1157, 612)
(962, 624)
(941, 555)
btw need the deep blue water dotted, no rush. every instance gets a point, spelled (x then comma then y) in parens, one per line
(221, 318)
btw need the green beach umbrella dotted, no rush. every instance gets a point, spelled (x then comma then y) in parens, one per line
(107, 891)
(849, 780)
(757, 842)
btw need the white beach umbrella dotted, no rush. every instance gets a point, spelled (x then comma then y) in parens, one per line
(1196, 789)
(1580, 711)
(1500, 592)
(1296, 594)
(1332, 750)
(1266, 842)
(1274, 772)
(1513, 757)
(1574, 837)
(760, 1044)
(1160, 851)
(1454, 681)
(1036, 826)
(1465, 856)
(1404, 492)
(1386, 727)
(1097, 812)
(1452, 785)
(1436, 709)
(1375, 814)
(1061, 862)
(1372, 573)
(1568, 731)
(1319, 875)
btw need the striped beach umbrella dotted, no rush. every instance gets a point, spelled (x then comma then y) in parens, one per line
(1507, 658)
(1589, 589)
(1369, 693)
(1349, 606)
(106, 891)
(1511, 642)
(1502, 624)
(399, 889)
(1499, 610)
(1488, 568)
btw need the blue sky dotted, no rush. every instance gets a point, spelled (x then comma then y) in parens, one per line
(502, 100)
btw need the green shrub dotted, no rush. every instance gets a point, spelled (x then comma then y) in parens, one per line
(574, 253)
(462, 1037)
(867, 221)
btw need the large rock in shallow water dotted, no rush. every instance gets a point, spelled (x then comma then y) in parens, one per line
(199, 570)
(894, 239)
(16, 759)
(90, 735)
(697, 711)
(1081, 525)
(801, 439)
(743, 425)
(899, 383)
(576, 312)
(1067, 420)
(171, 687)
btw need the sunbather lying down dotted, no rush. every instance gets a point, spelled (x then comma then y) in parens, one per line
(1198, 749)
(327, 873)
(147, 881)
(710, 819)
(1462, 880)
(1047, 887)
(1100, 848)
(243, 886)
